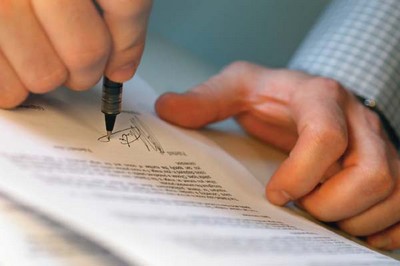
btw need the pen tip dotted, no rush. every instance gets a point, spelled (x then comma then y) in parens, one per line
(109, 134)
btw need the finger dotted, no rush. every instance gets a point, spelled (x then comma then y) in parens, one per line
(12, 91)
(127, 22)
(388, 239)
(79, 36)
(366, 179)
(238, 88)
(29, 51)
(277, 136)
(322, 140)
(380, 216)
(375, 219)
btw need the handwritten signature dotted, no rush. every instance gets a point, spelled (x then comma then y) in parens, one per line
(32, 107)
(136, 132)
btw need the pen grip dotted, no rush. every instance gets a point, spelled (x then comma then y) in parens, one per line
(112, 97)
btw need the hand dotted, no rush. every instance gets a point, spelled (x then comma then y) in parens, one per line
(341, 166)
(45, 44)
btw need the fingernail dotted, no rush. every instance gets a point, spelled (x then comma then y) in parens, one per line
(279, 197)
(380, 242)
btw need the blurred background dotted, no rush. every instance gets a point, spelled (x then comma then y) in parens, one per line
(190, 40)
(221, 31)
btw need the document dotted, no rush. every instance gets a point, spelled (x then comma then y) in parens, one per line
(30, 238)
(153, 194)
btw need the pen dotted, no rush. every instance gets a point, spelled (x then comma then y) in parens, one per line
(111, 103)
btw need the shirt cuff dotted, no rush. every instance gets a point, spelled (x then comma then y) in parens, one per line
(357, 43)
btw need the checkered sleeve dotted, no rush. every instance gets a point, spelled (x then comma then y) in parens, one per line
(357, 43)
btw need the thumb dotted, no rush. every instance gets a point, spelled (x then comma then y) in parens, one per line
(220, 97)
(190, 109)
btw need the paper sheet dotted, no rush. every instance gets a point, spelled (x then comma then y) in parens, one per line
(29, 238)
(154, 194)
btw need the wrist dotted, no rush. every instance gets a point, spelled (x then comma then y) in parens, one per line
(372, 105)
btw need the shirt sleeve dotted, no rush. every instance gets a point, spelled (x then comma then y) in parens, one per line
(357, 43)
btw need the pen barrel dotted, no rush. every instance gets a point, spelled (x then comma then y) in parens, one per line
(111, 98)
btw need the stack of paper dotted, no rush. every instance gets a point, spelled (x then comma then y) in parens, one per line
(152, 195)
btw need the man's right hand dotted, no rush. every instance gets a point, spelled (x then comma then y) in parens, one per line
(46, 44)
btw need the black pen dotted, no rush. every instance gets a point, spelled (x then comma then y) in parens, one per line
(111, 103)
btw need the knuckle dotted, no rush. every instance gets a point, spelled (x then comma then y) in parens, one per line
(238, 67)
(91, 53)
(243, 75)
(335, 89)
(380, 182)
(326, 83)
(44, 81)
(80, 83)
(326, 135)
(88, 58)
(240, 76)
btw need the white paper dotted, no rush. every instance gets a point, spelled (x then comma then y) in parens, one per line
(29, 238)
(154, 194)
